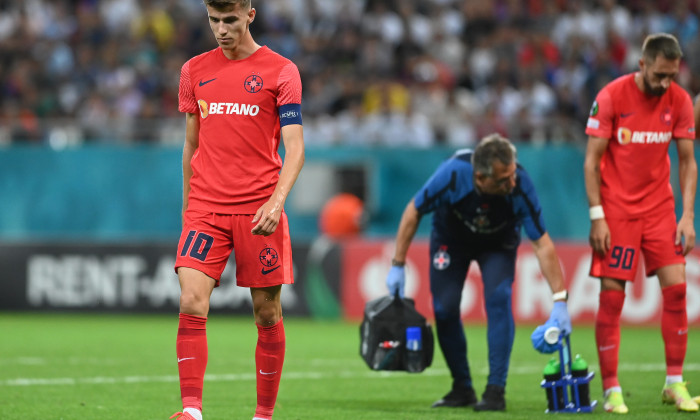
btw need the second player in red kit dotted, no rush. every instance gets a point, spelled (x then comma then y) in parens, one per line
(627, 172)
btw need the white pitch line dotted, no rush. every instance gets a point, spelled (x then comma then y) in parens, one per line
(232, 377)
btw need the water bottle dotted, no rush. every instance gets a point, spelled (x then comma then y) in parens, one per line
(414, 347)
(579, 369)
(552, 372)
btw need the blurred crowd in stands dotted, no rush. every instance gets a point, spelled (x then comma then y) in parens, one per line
(409, 73)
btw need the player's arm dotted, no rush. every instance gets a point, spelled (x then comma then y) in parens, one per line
(527, 209)
(688, 177)
(600, 233)
(410, 219)
(549, 263)
(443, 188)
(268, 215)
(551, 270)
(191, 145)
(696, 115)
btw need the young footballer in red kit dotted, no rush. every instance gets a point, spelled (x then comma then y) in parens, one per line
(632, 122)
(239, 100)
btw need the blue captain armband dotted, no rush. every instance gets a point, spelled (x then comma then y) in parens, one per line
(290, 114)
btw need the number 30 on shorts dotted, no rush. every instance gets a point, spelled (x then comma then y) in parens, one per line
(622, 257)
(200, 248)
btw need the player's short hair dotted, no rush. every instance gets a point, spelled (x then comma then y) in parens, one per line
(491, 148)
(661, 44)
(225, 5)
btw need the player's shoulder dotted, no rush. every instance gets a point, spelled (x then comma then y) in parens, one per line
(274, 58)
(619, 83)
(462, 159)
(463, 155)
(203, 57)
(679, 92)
(524, 181)
(457, 165)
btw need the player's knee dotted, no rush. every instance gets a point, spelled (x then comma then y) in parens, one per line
(445, 313)
(192, 304)
(498, 298)
(674, 298)
(268, 315)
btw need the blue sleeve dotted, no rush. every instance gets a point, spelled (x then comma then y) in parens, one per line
(450, 182)
(527, 207)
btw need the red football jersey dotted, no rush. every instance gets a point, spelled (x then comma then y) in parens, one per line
(236, 166)
(635, 168)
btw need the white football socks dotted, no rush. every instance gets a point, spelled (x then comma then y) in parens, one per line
(612, 389)
(672, 379)
(193, 412)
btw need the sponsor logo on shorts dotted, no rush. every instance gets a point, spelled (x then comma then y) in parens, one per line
(266, 272)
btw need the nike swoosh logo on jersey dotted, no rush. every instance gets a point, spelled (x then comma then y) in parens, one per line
(202, 83)
(184, 358)
(623, 115)
(266, 272)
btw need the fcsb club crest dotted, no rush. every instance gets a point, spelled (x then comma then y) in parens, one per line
(666, 117)
(253, 83)
(441, 259)
(269, 259)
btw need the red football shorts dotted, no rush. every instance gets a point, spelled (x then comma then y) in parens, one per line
(207, 240)
(654, 235)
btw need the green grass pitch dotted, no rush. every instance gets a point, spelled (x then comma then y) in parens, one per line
(63, 366)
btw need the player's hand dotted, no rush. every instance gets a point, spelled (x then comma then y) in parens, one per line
(396, 280)
(685, 234)
(600, 236)
(560, 315)
(267, 218)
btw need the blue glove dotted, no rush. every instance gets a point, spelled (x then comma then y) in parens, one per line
(538, 341)
(396, 280)
(560, 315)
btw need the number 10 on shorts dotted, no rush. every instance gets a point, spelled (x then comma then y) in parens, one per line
(201, 246)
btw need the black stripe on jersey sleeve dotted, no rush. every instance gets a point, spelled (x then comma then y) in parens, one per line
(534, 215)
(429, 199)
